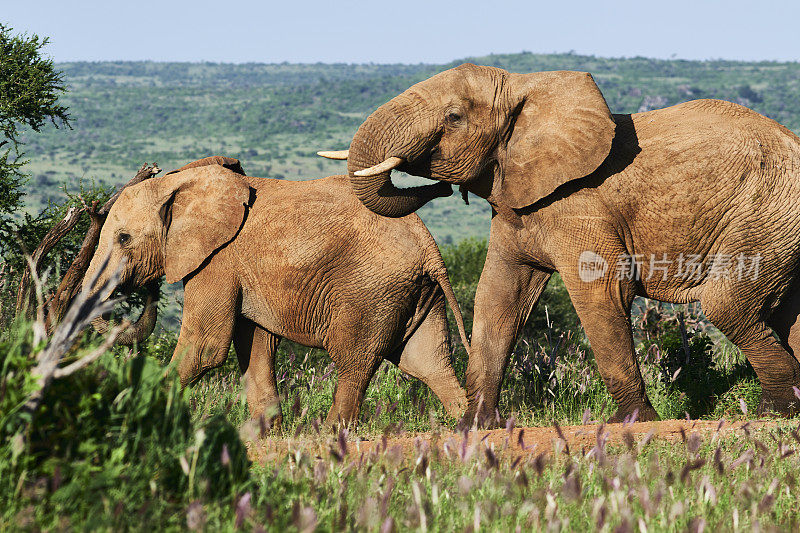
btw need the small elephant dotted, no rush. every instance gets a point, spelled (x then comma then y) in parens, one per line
(262, 259)
(695, 202)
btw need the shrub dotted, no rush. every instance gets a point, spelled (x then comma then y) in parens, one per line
(118, 435)
(464, 260)
(16, 384)
(684, 372)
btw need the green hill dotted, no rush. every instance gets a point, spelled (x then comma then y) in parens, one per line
(275, 117)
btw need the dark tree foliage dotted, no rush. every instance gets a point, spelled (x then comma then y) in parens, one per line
(29, 92)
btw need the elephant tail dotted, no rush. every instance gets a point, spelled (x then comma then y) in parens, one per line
(436, 270)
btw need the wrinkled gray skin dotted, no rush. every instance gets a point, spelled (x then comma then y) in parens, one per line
(264, 259)
(568, 181)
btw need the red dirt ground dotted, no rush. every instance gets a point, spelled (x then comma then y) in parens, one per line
(517, 442)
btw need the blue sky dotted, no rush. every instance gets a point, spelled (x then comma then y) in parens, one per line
(407, 31)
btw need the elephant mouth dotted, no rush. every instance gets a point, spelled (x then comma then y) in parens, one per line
(425, 162)
(135, 283)
(123, 290)
(434, 164)
(419, 166)
(144, 325)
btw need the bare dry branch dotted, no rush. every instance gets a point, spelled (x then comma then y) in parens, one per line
(83, 309)
(39, 330)
(56, 233)
(87, 359)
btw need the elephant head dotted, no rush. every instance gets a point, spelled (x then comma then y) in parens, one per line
(509, 138)
(167, 226)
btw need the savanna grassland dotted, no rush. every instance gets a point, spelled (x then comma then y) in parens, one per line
(119, 445)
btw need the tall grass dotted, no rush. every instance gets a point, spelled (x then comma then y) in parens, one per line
(119, 445)
(106, 443)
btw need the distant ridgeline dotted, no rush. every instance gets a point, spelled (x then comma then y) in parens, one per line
(275, 117)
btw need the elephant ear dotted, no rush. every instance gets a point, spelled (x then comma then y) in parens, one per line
(203, 209)
(560, 129)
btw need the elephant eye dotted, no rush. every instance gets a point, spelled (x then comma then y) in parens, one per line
(123, 239)
(453, 117)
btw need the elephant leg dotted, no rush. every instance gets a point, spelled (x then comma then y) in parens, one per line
(351, 386)
(765, 347)
(426, 356)
(255, 348)
(793, 339)
(785, 321)
(207, 324)
(777, 370)
(604, 307)
(506, 294)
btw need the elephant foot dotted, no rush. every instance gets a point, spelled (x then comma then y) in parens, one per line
(275, 424)
(260, 427)
(781, 405)
(642, 412)
(335, 422)
(482, 419)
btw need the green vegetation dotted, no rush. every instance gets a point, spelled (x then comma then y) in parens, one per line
(118, 445)
(29, 92)
(106, 444)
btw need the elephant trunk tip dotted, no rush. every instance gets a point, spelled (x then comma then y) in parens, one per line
(144, 326)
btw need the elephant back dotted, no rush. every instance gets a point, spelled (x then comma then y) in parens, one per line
(228, 162)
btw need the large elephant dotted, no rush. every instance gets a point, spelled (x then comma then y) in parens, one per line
(695, 202)
(262, 259)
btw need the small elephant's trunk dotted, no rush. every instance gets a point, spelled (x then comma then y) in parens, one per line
(139, 331)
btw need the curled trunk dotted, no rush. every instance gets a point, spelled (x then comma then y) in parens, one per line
(380, 196)
(377, 139)
(143, 327)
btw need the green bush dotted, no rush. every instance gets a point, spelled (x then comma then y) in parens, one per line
(685, 374)
(16, 384)
(464, 260)
(118, 436)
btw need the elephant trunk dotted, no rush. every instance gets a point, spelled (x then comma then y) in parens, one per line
(372, 144)
(143, 327)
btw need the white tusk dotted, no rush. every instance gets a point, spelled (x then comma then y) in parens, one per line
(336, 154)
(380, 168)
